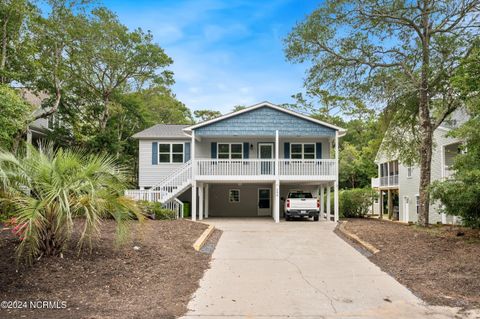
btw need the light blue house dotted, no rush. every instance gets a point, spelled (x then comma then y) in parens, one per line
(240, 164)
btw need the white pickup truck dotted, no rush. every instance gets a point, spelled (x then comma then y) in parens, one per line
(301, 204)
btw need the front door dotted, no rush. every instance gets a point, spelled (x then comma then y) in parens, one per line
(265, 151)
(264, 202)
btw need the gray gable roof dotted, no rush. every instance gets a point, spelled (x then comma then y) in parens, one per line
(264, 105)
(163, 131)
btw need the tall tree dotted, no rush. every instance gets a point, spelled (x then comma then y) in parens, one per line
(205, 115)
(15, 48)
(382, 50)
(14, 116)
(109, 59)
(49, 41)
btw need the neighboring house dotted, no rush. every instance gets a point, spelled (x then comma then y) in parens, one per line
(398, 185)
(38, 129)
(240, 164)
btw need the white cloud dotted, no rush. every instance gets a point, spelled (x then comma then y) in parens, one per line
(220, 60)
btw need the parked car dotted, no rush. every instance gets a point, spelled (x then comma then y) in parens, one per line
(301, 204)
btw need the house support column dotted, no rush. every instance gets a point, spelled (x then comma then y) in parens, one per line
(322, 202)
(194, 200)
(335, 184)
(380, 205)
(276, 202)
(329, 217)
(200, 201)
(390, 204)
(276, 196)
(206, 199)
(335, 202)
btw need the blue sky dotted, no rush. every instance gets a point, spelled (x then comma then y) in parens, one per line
(226, 52)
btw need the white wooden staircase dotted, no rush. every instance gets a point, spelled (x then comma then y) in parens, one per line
(172, 185)
(167, 189)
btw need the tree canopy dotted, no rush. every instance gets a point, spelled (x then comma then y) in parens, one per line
(390, 53)
(103, 82)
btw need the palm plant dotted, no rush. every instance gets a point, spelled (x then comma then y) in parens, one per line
(50, 188)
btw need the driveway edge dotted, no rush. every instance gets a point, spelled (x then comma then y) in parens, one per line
(203, 238)
(372, 249)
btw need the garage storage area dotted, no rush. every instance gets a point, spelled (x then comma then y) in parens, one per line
(249, 200)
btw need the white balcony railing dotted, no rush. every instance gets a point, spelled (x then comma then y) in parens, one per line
(375, 182)
(324, 167)
(247, 167)
(391, 180)
(266, 168)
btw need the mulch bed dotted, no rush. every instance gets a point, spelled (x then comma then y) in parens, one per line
(439, 264)
(155, 281)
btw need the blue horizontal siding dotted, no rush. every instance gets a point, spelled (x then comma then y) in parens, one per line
(264, 121)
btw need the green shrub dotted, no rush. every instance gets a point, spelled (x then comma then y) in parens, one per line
(156, 211)
(460, 197)
(356, 202)
(62, 185)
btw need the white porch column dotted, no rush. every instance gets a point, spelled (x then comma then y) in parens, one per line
(276, 154)
(276, 206)
(192, 156)
(335, 201)
(200, 201)
(193, 207)
(328, 203)
(194, 200)
(335, 185)
(322, 202)
(206, 200)
(276, 197)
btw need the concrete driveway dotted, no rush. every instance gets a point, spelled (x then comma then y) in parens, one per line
(298, 270)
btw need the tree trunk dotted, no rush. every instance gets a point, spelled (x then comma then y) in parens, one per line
(425, 171)
(3, 60)
(426, 128)
(18, 139)
(105, 113)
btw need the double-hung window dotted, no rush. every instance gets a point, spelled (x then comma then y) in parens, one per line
(409, 171)
(234, 196)
(230, 150)
(302, 150)
(170, 152)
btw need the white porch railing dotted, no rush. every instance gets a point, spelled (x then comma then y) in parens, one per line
(153, 196)
(375, 182)
(391, 180)
(247, 167)
(176, 205)
(266, 167)
(322, 167)
(137, 194)
(143, 194)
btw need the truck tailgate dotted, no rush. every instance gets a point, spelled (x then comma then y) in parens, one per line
(303, 203)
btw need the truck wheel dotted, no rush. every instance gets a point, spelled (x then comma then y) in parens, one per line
(287, 218)
(315, 218)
